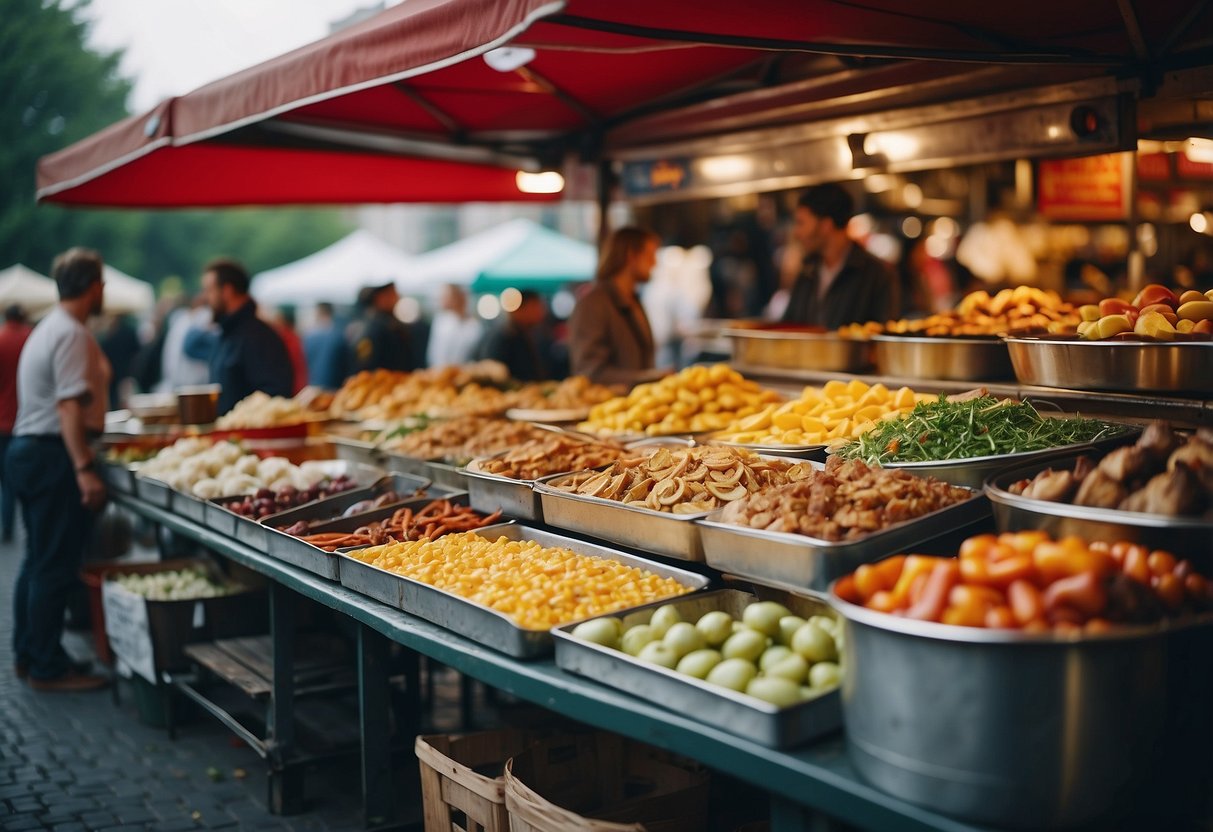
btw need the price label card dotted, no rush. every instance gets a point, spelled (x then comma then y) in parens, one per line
(126, 625)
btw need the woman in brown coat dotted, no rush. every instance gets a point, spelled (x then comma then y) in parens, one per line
(609, 336)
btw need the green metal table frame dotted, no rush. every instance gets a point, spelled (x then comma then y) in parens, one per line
(804, 784)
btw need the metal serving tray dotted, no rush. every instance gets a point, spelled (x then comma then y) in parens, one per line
(437, 470)
(973, 472)
(479, 623)
(673, 535)
(941, 358)
(490, 492)
(251, 532)
(356, 450)
(118, 477)
(156, 492)
(1186, 537)
(795, 560)
(789, 349)
(728, 710)
(331, 508)
(1184, 368)
(297, 552)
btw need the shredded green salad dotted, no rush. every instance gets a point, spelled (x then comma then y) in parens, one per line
(984, 426)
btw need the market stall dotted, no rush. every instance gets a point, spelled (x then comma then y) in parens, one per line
(1004, 683)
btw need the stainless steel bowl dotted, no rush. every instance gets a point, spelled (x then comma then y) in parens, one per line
(956, 359)
(785, 349)
(1184, 369)
(1029, 731)
(1187, 537)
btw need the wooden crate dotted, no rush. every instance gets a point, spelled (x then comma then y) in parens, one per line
(601, 782)
(462, 789)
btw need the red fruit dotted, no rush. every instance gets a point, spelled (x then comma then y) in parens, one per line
(1156, 293)
(1113, 306)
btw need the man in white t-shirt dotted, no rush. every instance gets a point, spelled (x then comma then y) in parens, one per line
(454, 334)
(62, 394)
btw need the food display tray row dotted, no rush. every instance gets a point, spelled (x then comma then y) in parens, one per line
(474, 621)
(297, 552)
(789, 349)
(728, 710)
(1183, 369)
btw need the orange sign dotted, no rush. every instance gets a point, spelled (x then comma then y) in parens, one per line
(1087, 189)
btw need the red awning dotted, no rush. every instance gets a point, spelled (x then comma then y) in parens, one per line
(406, 107)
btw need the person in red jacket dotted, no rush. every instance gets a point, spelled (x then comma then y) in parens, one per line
(12, 338)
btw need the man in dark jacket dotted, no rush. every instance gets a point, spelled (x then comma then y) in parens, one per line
(383, 342)
(840, 283)
(249, 356)
(515, 343)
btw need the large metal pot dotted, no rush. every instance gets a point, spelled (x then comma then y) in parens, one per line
(1029, 731)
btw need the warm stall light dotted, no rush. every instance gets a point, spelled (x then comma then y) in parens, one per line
(727, 168)
(860, 226)
(544, 182)
(511, 299)
(936, 246)
(911, 227)
(878, 183)
(896, 147)
(488, 307)
(911, 195)
(1053, 131)
(945, 227)
(1199, 150)
(408, 310)
(509, 58)
(1199, 223)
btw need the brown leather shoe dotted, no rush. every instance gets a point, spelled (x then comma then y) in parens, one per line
(70, 682)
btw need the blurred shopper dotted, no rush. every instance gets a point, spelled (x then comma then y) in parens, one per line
(517, 342)
(120, 343)
(12, 338)
(63, 382)
(284, 324)
(177, 368)
(454, 334)
(840, 283)
(610, 340)
(248, 355)
(383, 340)
(325, 350)
(926, 283)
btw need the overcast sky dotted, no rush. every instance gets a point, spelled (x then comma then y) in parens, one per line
(174, 46)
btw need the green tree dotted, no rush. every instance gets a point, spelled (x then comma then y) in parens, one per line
(54, 90)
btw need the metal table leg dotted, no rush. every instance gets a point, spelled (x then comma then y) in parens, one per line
(285, 781)
(373, 721)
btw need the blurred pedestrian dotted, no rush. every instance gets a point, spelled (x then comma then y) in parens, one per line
(120, 343)
(610, 340)
(177, 368)
(454, 334)
(284, 324)
(325, 350)
(383, 340)
(248, 355)
(63, 384)
(13, 335)
(516, 342)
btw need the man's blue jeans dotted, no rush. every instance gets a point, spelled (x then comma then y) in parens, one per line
(41, 474)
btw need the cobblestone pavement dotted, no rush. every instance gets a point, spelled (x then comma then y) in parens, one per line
(72, 762)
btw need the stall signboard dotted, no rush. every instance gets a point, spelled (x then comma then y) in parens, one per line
(128, 629)
(1153, 167)
(1086, 189)
(655, 176)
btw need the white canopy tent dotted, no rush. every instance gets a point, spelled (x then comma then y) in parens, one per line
(125, 295)
(335, 274)
(26, 288)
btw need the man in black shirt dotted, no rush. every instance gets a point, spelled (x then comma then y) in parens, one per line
(840, 283)
(248, 356)
(515, 342)
(383, 342)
